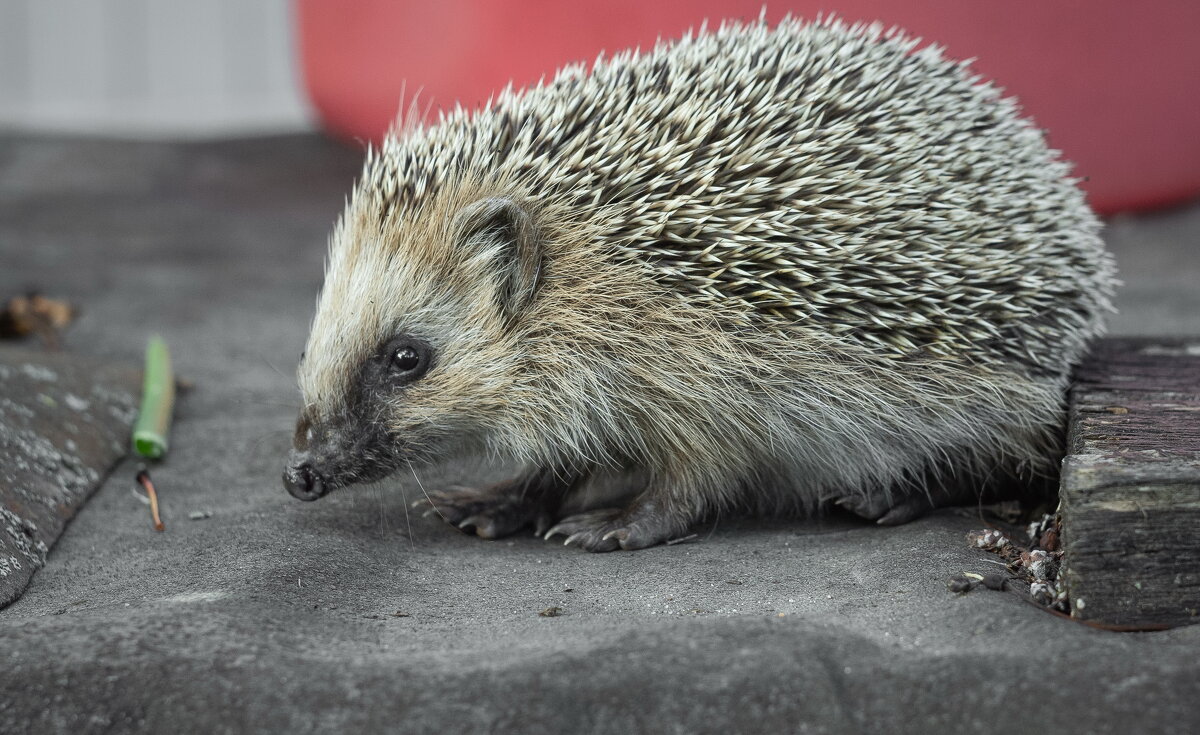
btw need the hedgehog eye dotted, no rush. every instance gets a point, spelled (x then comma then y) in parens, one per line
(407, 360)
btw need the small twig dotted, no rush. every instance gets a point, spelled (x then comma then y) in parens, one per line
(143, 478)
(683, 539)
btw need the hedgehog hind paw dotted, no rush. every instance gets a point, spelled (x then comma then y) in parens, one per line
(483, 511)
(891, 509)
(593, 530)
(909, 509)
(868, 507)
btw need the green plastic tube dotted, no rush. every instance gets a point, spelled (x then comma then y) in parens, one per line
(158, 401)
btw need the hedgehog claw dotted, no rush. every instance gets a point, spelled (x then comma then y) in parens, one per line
(484, 526)
(592, 531)
(555, 530)
(587, 540)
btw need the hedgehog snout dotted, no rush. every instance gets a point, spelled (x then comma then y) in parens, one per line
(330, 454)
(300, 475)
(301, 479)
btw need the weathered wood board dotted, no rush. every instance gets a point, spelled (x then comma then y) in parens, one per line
(64, 421)
(1130, 493)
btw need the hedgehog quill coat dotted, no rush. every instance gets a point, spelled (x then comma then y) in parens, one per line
(752, 269)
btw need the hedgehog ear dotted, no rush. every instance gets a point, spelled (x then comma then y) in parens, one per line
(504, 224)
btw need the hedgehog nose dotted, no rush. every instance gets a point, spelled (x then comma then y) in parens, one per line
(303, 482)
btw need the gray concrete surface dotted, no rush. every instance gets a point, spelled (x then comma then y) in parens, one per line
(349, 615)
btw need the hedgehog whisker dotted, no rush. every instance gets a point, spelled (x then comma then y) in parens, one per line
(423, 491)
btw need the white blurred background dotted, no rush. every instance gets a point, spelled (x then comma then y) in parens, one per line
(150, 68)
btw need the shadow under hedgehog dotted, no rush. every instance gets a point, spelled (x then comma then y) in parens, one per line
(759, 269)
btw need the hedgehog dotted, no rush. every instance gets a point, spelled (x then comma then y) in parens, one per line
(754, 270)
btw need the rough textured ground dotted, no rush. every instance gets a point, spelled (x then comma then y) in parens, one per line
(346, 614)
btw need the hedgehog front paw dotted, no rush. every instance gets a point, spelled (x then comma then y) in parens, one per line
(488, 511)
(610, 529)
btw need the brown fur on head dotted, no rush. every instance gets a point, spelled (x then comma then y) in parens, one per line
(448, 282)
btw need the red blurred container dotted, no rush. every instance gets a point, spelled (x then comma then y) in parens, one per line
(1117, 84)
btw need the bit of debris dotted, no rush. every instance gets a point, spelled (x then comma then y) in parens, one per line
(733, 581)
(1035, 565)
(33, 313)
(1043, 593)
(1041, 565)
(199, 515)
(550, 612)
(967, 581)
(401, 614)
(1043, 534)
(988, 540)
(143, 478)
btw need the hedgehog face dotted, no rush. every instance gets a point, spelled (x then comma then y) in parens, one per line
(411, 352)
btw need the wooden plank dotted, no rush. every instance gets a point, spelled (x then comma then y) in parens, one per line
(64, 422)
(1130, 494)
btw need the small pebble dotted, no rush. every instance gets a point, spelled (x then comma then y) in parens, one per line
(960, 584)
(994, 581)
